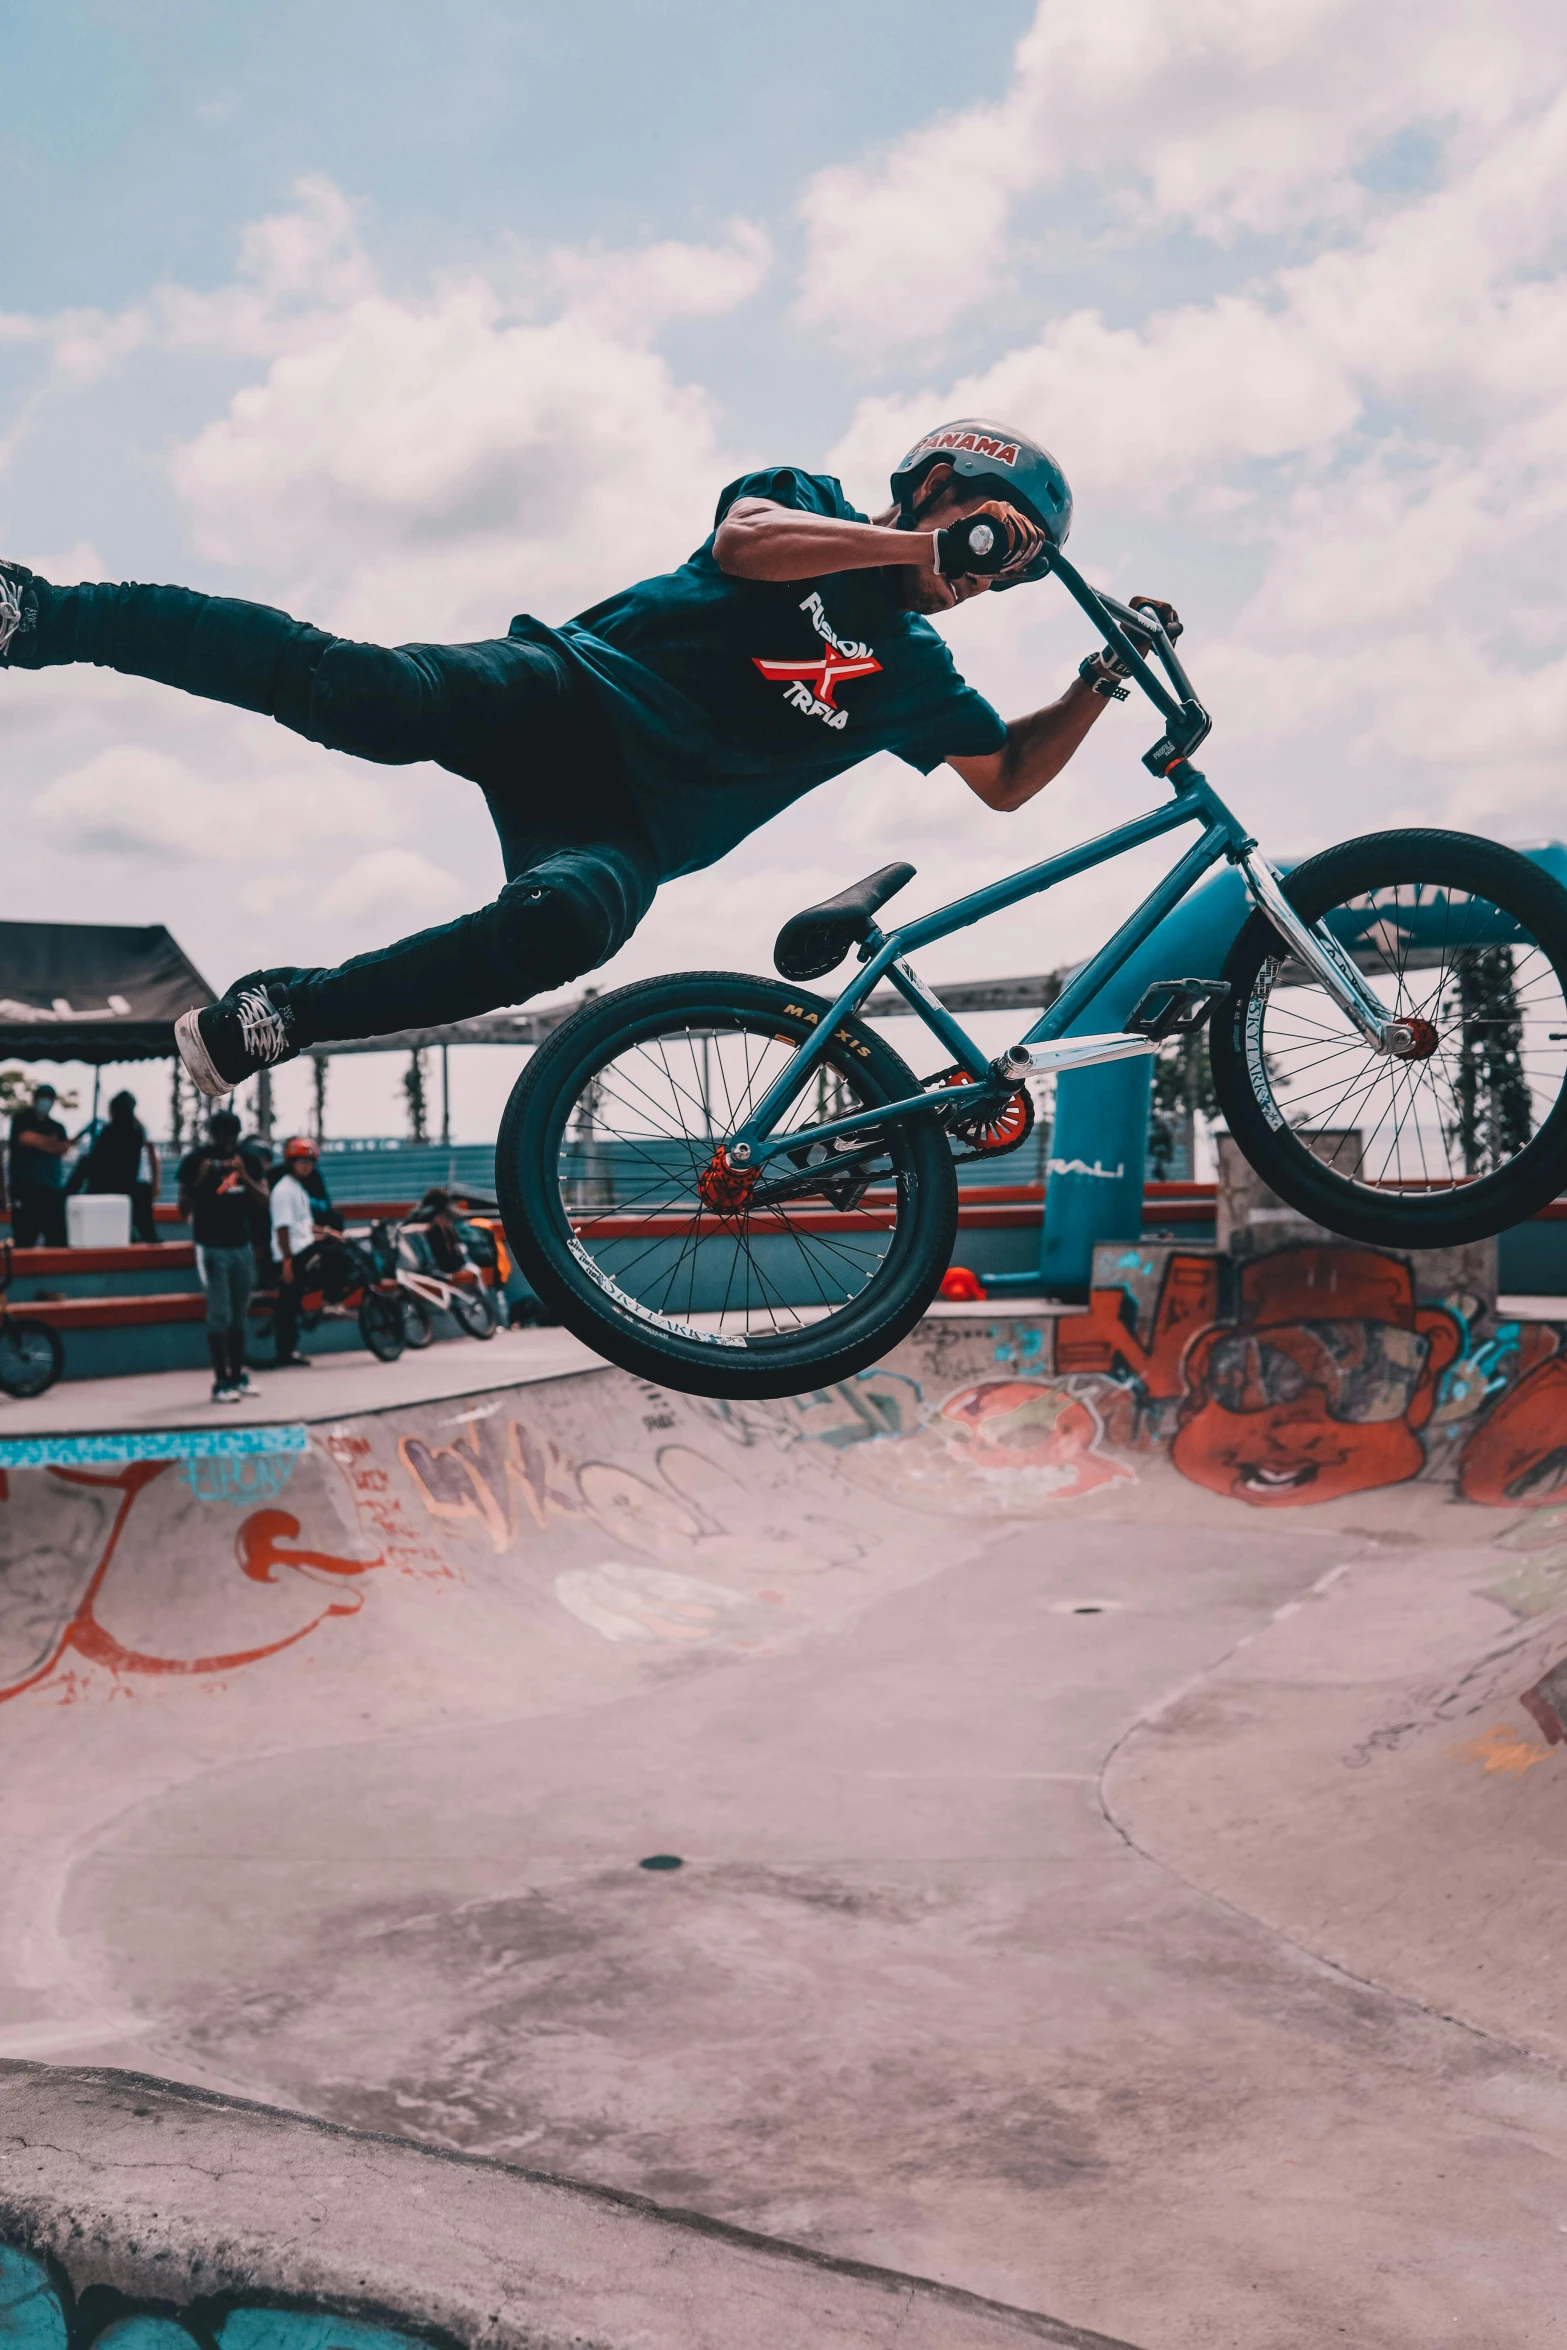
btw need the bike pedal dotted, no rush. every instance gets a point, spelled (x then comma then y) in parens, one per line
(1175, 1007)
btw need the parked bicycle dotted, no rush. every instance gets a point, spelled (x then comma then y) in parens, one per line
(31, 1353)
(687, 1158)
(343, 1282)
(438, 1257)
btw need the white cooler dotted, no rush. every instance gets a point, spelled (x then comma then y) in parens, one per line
(98, 1219)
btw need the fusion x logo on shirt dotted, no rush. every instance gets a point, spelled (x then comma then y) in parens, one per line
(813, 684)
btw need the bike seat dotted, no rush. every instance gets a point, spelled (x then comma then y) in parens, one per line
(817, 940)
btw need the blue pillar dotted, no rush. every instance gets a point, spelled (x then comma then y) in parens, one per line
(1101, 1119)
(1094, 1189)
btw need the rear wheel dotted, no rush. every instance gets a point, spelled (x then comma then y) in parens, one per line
(627, 1221)
(418, 1325)
(31, 1356)
(1467, 942)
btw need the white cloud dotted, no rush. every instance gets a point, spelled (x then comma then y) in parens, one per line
(132, 800)
(1221, 116)
(392, 889)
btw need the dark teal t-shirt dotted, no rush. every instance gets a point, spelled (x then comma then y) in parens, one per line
(729, 698)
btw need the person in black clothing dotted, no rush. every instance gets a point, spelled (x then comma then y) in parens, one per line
(220, 1186)
(115, 1164)
(38, 1144)
(642, 740)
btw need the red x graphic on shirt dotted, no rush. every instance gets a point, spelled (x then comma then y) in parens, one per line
(821, 676)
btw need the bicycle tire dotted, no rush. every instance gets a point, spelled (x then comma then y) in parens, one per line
(918, 1210)
(474, 1313)
(32, 1356)
(1395, 1182)
(418, 1322)
(381, 1323)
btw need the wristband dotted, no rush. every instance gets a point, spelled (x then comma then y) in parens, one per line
(1097, 673)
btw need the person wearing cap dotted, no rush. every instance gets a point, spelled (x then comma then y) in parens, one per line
(294, 1235)
(220, 1186)
(643, 739)
(37, 1172)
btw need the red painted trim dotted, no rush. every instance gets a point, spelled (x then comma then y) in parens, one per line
(140, 1256)
(113, 1313)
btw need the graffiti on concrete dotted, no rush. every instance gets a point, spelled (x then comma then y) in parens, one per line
(499, 1481)
(1321, 1374)
(1321, 1384)
(1050, 1429)
(40, 2311)
(75, 1612)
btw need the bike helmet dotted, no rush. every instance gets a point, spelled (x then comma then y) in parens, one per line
(991, 460)
(299, 1146)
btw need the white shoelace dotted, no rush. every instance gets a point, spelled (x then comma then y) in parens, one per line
(10, 610)
(261, 1027)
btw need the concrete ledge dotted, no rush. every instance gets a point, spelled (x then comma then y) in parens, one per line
(171, 2196)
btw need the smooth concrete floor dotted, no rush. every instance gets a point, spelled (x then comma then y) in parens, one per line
(1008, 1948)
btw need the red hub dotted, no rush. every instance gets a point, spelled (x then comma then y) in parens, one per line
(726, 1190)
(1424, 1041)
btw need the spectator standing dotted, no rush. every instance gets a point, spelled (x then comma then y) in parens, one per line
(308, 1172)
(220, 1185)
(122, 1159)
(294, 1233)
(38, 1147)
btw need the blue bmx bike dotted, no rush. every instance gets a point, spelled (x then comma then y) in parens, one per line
(735, 1187)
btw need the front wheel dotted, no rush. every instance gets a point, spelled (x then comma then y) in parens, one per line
(381, 1323)
(1467, 942)
(626, 1221)
(31, 1357)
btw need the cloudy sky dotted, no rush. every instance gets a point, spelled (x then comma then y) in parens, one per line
(410, 319)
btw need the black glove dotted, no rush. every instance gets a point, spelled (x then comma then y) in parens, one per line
(1104, 669)
(984, 543)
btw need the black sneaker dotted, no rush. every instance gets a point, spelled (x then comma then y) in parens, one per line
(228, 1041)
(18, 609)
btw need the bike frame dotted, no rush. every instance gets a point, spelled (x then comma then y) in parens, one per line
(1047, 1046)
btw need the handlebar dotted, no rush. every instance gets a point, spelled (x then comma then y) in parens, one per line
(1187, 723)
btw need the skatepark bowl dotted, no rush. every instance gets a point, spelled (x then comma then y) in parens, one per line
(1058, 1839)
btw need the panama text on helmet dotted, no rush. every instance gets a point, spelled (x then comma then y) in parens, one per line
(991, 460)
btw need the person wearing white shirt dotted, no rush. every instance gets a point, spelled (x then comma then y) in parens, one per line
(293, 1236)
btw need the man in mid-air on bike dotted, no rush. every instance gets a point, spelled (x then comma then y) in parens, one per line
(641, 740)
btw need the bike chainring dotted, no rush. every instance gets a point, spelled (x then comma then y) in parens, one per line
(1003, 1122)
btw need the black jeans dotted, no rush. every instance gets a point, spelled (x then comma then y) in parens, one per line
(290, 1299)
(509, 714)
(38, 1219)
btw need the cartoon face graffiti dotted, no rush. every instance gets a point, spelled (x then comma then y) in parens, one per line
(1289, 1406)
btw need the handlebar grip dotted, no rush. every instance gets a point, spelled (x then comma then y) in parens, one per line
(975, 545)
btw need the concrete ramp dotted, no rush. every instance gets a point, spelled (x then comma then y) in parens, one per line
(921, 1825)
(160, 2218)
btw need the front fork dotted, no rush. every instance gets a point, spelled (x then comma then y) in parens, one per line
(1325, 959)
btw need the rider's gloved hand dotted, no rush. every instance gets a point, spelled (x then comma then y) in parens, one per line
(994, 538)
(1106, 668)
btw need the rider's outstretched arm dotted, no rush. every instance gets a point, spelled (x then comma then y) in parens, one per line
(758, 539)
(1037, 748)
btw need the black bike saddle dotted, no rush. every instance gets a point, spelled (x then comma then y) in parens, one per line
(817, 940)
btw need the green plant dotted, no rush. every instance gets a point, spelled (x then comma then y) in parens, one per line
(415, 1093)
(1182, 1090)
(16, 1091)
(1494, 1114)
